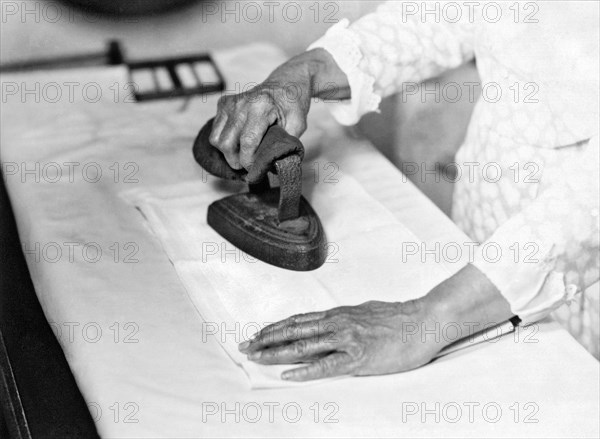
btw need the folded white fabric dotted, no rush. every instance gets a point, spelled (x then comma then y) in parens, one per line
(237, 295)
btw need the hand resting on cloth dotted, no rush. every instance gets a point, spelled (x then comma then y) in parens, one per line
(377, 337)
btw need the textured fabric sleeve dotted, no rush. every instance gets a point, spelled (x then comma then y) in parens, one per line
(548, 252)
(395, 47)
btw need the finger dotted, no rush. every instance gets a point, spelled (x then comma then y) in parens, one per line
(252, 134)
(288, 334)
(296, 319)
(218, 124)
(295, 124)
(285, 331)
(338, 363)
(296, 352)
(229, 141)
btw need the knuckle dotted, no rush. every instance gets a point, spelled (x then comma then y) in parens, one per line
(239, 102)
(226, 148)
(343, 320)
(261, 99)
(345, 334)
(289, 332)
(327, 366)
(214, 139)
(293, 328)
(252, 96)
(301, 125)
(355, 350)
(228, 103)
(222, 102)
(249, 139)
(329, 327)
(300, 347)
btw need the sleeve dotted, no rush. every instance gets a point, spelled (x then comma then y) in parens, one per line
(550, 250)
(399, 45)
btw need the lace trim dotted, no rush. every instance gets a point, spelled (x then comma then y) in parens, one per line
(344, 47)
(533, 290)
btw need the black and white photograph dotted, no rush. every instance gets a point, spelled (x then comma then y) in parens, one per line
(299, 219)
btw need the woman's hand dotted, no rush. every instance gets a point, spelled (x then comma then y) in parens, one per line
(379, 337)
(369, 339)
(284, 98)
(242, 120)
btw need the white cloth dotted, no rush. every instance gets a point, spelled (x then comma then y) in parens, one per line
(241, 294)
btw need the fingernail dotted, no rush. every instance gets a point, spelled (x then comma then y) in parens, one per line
(254, 356)
(254, 337)
(286, 375)
(244, 346)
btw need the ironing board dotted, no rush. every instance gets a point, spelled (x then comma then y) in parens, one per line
(139, 351)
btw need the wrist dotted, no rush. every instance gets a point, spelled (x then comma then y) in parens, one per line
(468, 298)
(421, 322)
(327, 79)
(314, 71)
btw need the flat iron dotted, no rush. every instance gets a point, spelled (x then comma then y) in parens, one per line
(274, 224)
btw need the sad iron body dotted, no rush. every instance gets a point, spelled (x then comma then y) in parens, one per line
(276, 225)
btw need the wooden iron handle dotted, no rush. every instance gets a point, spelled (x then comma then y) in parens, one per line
(278, 152)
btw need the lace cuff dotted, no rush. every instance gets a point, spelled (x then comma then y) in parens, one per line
(523, 270)
(344, 46)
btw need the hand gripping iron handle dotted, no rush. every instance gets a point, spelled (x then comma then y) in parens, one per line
(278, 152)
